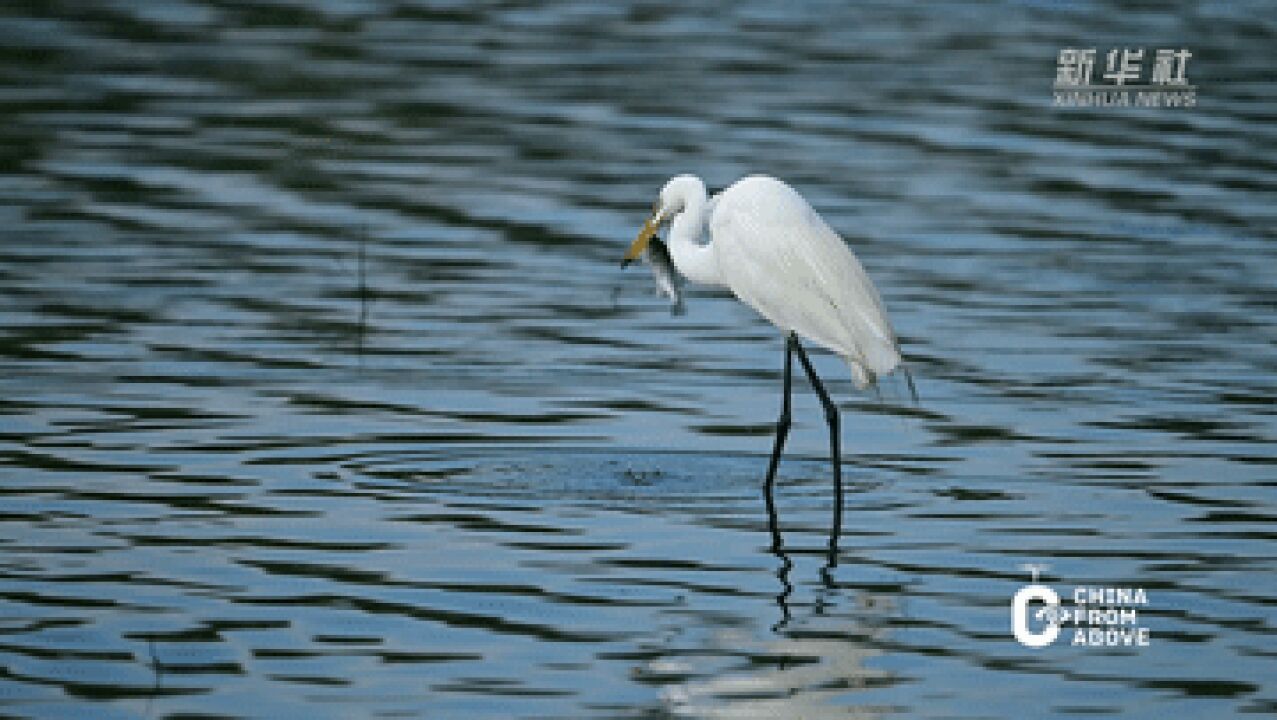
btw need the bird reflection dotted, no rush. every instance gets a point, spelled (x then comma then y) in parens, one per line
(787, 588)
(787, 565)
(812, 671)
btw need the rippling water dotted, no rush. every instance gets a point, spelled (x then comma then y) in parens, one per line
(323, 396)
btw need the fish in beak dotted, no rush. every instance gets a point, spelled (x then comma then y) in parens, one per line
(657, 255)
(668, 282)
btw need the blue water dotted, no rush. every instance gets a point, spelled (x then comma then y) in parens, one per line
(322, 394)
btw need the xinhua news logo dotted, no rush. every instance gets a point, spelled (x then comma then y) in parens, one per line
(1124, 77)
(1096, 617)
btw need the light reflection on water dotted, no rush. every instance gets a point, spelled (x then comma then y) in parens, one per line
(323, 396)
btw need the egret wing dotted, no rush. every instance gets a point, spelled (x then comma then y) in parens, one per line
(781, 258)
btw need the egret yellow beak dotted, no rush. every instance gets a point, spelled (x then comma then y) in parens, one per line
(644, 237)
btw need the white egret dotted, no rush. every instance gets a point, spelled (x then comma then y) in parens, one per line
(771, 249)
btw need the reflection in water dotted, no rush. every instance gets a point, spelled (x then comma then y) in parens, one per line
(787, 588)
(778, 546)
(787, 565)
(813, 668)
(791, 676)
(318, 401)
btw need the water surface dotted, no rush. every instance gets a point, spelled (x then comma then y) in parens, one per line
(323, 395)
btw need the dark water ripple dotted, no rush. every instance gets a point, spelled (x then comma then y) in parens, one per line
(321, 395)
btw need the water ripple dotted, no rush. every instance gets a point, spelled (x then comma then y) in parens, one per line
(323, 396)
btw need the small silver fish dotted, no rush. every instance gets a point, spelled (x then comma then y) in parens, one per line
(668, 282)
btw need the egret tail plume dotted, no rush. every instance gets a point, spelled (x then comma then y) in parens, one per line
(913, 391)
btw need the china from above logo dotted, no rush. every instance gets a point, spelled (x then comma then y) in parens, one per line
(1123, 81)
(1098, 616)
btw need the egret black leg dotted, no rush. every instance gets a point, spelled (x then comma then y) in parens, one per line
(835, 438)
(782, 432)
(783, 422)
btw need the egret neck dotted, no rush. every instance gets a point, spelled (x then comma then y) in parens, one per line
(695, 261)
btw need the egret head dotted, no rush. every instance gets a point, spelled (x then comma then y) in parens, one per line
(673, 199)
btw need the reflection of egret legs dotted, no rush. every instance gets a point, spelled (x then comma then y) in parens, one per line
(782, 573)
(827, 582)
(792, 347)
(786, 565)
